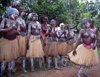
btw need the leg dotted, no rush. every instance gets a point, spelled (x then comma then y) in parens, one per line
(32, 64)
(24, 59)
(86, 71)
(62, 61)
(69, 61)
(56, 65)
(19, 60)
(49, 62)
(40, 62)
(9, 69)
(80, 71)
(13, 66)
(3, 66)
(45, 61)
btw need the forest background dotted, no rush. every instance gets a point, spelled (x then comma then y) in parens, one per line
(66, 11)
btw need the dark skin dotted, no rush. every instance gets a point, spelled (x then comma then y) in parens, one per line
(88, 36)
(45, 19)
(9, 30)
(33, 29)
(92, 27)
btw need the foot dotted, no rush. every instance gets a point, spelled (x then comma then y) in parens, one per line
(13, 70)
(24, 70)
(63, 65)
(85, 75)
(78, 75)
(69, 64)
(57, 68)
(32, 70)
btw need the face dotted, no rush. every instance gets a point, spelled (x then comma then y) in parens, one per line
(52, 23)
(35, 17)
(23, 14)
(62, 27)
(86, 25)
(14, 16)
(45, 19)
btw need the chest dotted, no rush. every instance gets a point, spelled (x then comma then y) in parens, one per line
(10, 23)
(88, 34)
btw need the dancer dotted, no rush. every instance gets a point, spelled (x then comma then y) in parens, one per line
(34, 45)
(22, 37)
(85, 54)
(9, 44)
(53, 44)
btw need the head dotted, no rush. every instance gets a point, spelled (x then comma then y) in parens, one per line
(92, 23)
(52, 22)
(22, 11)
(57, 21)
(86, 23)
(34, 16)
(13, 13)
(62, 26)
(68, 26)
(45, 19)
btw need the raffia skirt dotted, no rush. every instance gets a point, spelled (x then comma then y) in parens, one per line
(52, 51)
(84, 56)
(9, 50)
(35, 49)
(71, 47)
(62, 48)
(22, 45)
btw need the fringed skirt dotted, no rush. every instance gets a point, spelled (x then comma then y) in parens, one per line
(9, 50)
(84, 56)
(52, 50)
(35, 49)
(71, 47)
(62, 48)
(22, 45)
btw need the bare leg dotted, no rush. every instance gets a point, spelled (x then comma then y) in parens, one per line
(24, 59)
(3, 66)
(62, 61)
(49, 62)
(40, 62)
(19, 60)
(9, 69)
(69, 61)
(32, 64)
(13, 66)
(86, 71)
(80, 71)
(56, 65)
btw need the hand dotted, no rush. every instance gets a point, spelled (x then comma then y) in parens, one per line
(27, 46)
(14, 27)
(74, 52)
(44, 44)
(94, 46)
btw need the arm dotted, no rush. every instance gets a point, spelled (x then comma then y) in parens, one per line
(77, 43)
(97, 36)
(28, 36)
(6, 30)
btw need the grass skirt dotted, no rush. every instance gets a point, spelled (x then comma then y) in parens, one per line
(62, 48)
(35, 49)
(71, 47)
(22, 45)
(84, 56)
(52, 50)
(9, 50)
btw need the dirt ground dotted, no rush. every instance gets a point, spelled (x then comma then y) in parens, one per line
(68, 71)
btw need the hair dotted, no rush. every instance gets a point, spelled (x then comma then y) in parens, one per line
(85, 20)
(52, 21)
(62, 24)
(92, 21)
